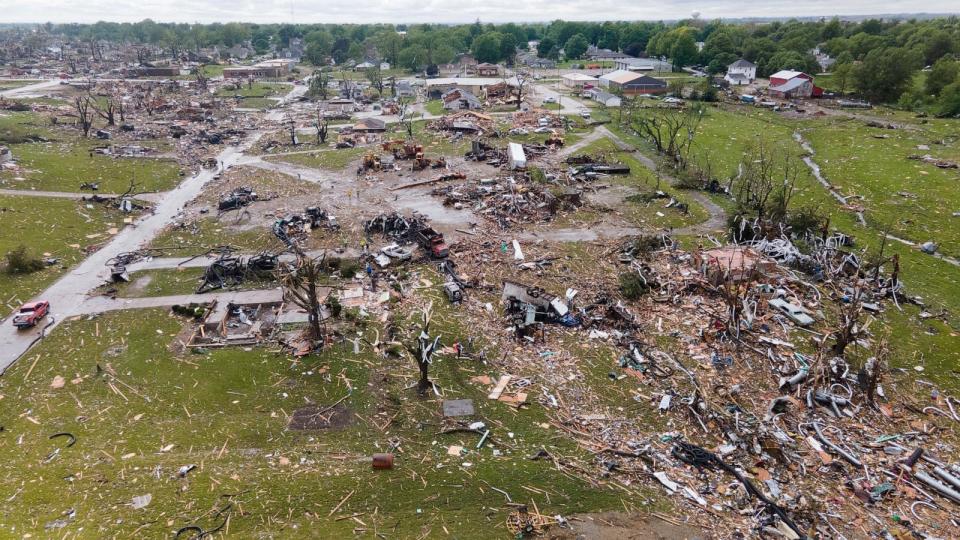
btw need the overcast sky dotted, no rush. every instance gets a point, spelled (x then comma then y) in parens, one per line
(404, 11)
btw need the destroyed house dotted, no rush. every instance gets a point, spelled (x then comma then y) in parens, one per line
(459, 99)
(528, 305)
(475, 85)
(732, 264)
(788, 84)
(370, 125)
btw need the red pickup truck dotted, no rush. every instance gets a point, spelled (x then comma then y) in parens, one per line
(30, 314)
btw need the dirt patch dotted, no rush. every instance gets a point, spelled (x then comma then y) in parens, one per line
(321, 417)
(620, 526)
(178, 346)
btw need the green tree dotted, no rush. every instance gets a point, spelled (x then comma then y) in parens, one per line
(939, 43)
(508, 47)
(949, 103)
(575, 47)
(486, 48)
(943, 73)
(389, 43)
(684, 51)
(547, 47)
(885, 73)
(842, 74)
(790, 60)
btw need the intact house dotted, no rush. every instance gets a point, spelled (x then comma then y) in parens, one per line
(629, 83)
(578, 80)
(459, 99)
(788, 84)
(642, 64)
(741, 72)
(595, 53)
(606, 98)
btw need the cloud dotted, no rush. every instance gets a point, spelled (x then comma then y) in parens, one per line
(411, 11)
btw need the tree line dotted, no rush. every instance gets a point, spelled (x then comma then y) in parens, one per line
(877, 58)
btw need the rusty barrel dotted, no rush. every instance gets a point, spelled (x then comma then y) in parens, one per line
(383, 461)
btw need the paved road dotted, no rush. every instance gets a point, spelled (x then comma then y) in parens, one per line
(717, 222)
(29, 90)
(68, 294)
(102, 304)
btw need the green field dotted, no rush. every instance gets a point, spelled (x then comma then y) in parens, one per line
(66, 160)
(55, 227)
(173, 281)
(258, 95)
(153, 411)
(330, 159)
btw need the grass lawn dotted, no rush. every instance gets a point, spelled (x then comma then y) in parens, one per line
(152, 412)
(173, 281)
(10, 85)
(331, 159)
(255, 96)
(209, 232)
(916, 200)
(637, 209)
(56, 228)
(434, 106)
(68, 160)
(852, 159)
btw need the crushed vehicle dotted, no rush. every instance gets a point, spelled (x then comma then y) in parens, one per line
(237, 198)
(793, 312)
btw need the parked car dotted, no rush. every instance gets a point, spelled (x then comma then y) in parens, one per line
(793, 312)
(550, 100)
(542, 130)
(585, 114)
(30, 314)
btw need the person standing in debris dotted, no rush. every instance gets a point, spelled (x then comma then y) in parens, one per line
(459, 348)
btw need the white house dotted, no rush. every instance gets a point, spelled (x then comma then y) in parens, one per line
(578, 80)
(741, 72)
(606, 98)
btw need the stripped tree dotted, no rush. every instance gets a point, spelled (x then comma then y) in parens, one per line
(301, 284)
(85, 111)
(322, 127)
(423, 351)
(671, 130)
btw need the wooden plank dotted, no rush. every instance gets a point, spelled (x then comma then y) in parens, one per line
(500, 387)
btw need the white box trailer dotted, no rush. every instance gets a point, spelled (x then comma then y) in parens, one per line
(518, 159)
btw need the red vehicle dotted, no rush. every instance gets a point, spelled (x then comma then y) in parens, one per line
(432, 241)
(30, 314)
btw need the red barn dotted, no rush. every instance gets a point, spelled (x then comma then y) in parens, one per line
(791, 84)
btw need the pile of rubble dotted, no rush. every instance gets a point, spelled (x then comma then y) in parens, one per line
(511, 200)
(463, 122)
(752, 436)
(292, 229)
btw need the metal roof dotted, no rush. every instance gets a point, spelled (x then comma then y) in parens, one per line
(786, 74)
(789, 85)
(621, 76)
(741, 63)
